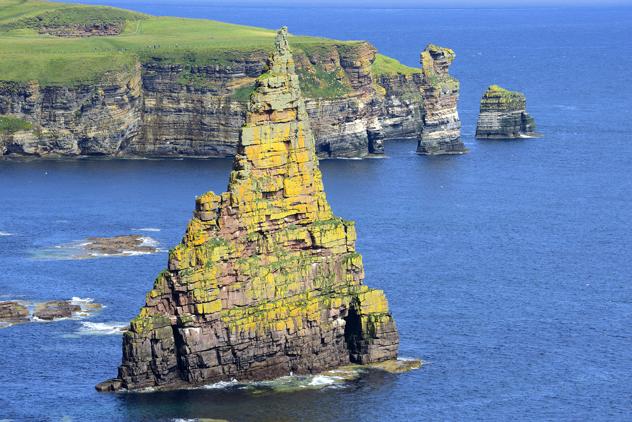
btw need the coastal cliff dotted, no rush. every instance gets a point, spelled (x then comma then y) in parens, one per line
(161, 99)
(441, 126)
(266, 281)
(503, 115)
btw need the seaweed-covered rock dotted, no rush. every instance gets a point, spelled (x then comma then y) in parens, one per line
(266, 280)
(503, 115)
(441, 126)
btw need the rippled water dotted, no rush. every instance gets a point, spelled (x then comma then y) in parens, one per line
(507, 269)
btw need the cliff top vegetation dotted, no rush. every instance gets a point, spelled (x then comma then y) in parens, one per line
(59, 44)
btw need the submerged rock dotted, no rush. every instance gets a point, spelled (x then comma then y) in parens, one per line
(96, 247)
(266, 281)
(441, 126)
(13, 312)
(503, 115)
(120, 245)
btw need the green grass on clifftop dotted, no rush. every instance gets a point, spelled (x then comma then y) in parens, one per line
(30, 52)
(26, 54)
(385, 65)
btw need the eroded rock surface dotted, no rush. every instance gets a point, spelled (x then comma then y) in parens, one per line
(266, 280)
(503, 115)
(441, 126)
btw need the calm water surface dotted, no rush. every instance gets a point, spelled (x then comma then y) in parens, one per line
(507, 269)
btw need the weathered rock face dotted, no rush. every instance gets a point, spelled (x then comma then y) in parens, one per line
(403, 106)
(162, 109)
(441, 132)
(266, 280)
(503, 115)
(68, 121)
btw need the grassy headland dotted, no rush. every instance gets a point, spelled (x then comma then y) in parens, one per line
(33, 45)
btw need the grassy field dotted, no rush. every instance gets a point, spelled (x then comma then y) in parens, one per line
(28, 54)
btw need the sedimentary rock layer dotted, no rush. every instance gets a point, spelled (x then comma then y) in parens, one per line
(441, 127)
(266, 280)
(503, 115)
(160, 109)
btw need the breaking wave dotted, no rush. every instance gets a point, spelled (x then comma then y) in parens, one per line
(102, 328)
(147, 229)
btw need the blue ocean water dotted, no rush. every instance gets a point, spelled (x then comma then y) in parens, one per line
(507, 269)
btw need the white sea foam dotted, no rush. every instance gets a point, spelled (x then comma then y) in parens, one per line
(102, 328)
(149, 241)
(81, 300)
(130, 253)
(147, 229)
(221, 385)
(5, 234)
(323, 380)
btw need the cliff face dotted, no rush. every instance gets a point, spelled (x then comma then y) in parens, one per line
(503, 115)
(441, 133)
(171, 110)
(266, 280)
(85, 120)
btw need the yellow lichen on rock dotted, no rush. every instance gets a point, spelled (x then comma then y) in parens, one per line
(266, 280)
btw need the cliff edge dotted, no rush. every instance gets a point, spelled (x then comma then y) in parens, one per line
(99, 81)
(266, 280)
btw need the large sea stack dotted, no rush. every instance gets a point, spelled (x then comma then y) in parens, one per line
(441, 127)
(266, 280)
(503, 115)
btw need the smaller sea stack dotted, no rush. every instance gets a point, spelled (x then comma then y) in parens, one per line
(503, 115)
(441, 127)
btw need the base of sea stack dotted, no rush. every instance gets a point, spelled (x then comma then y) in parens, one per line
(443, 147)
(356, 341)
(341, 374)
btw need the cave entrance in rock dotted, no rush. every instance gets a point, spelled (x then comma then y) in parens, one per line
(353, 335)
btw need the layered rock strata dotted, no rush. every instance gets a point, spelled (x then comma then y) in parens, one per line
(441, 126)
(503, 115)
(266, 281)
(162, 109)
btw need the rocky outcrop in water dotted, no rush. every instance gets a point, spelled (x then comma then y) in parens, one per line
(503, 115)
(16, 312)
(441, 127)
(55, 309)
(13, 312)
(266, 281)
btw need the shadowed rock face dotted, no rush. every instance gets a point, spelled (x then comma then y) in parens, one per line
(441, 127)
(503, 115)
(266, 280)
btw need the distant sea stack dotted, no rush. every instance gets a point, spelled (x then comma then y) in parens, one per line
(441, 127)
(266, 281)
(503, 115)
